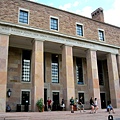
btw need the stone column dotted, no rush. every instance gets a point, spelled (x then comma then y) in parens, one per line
(113, 80)
(4, 44)
(68, 75)
(92, 74)
(37, 73)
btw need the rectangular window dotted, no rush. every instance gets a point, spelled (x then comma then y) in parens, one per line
(23, 16)
(100, 72)
(25, 97)
(79, 71)
(101, 35)
(53, 23)
(79, 29)
(26, 65)
(55, 68)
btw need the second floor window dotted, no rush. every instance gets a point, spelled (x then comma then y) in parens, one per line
(79, 29)
(23, 16)
(54, 23)
(55, 69)
(79, 71)
(101, 35)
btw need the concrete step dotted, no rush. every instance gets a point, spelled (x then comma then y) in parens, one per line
(16, 118)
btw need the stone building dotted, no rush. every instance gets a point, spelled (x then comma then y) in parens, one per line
(47, 52)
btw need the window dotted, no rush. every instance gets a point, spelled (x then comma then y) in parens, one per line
(55, 69)
(100, 72)
(23, 16)
(101, 35)
(53, 23)
(79, 29)
(79, 71)
(25, 97)
(26, 65)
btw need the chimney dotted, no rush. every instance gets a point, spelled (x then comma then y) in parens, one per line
(98, 15)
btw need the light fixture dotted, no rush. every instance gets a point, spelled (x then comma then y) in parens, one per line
(9, 93)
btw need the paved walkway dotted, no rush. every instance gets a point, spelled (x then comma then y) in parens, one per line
(60, 115)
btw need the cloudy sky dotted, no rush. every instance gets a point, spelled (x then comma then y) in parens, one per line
(86, 7)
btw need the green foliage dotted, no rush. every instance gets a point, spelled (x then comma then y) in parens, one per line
(40, 104)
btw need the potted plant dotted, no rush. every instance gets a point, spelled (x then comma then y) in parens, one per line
(40, 105)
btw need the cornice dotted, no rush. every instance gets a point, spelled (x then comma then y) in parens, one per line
(44, 35)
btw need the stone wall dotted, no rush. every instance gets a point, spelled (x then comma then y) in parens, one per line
(40, 18)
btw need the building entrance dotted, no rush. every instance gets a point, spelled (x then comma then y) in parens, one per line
(103, 100)
(56, 104)
(45, 99)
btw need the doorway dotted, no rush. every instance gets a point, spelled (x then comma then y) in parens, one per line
(56, 104)
(45, 99)
(103, 100)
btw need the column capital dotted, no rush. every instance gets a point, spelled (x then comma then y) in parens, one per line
(65, 45)
(37, 39)
(91, 49)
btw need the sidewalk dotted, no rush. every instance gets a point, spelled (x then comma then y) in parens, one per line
(60, 115)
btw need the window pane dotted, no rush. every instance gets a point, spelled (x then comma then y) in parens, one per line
(55, 69)
(100, 72)
(23, 18)
(54, 24)
(101, 35)
(79, 71)
(79, 30)
(26, 65)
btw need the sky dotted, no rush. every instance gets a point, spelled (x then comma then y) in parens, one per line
(86, 7)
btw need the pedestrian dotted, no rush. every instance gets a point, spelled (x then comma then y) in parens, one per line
(95, 105)
(8, 108)
(92, 105)
(49, 104)
(81, 104)
(110, 107)
(63, 104)
(72, 104)
(76, 102)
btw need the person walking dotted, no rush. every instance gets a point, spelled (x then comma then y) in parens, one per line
(72, 104)
(81, 104)
(49, 104)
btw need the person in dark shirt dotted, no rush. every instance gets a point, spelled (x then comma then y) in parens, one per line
(81, 104)
(92, 105)
(8, 108)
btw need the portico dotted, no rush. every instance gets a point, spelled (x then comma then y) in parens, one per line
(42, 44)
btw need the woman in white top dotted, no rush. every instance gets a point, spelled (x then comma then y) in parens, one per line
(96, 105)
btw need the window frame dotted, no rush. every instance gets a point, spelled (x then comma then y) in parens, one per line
(81, 83)
(51, 69)
(22, 68)
(101, 73)
(103, 36)
(80, 24)
(52, 17)
(25, 10)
